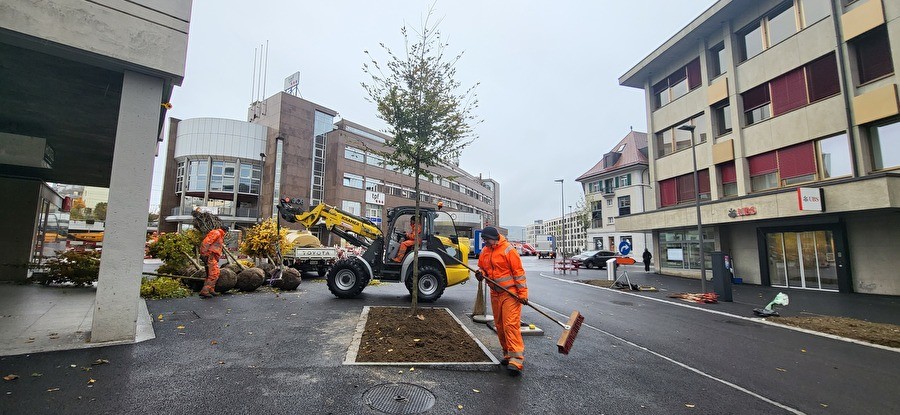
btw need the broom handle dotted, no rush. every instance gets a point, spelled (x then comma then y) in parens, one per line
(565, 326)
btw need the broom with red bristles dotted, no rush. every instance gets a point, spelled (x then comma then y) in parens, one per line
(570, 330)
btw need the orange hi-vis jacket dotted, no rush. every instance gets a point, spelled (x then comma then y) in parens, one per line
(501, 263)
(212, 244)
(414, 229)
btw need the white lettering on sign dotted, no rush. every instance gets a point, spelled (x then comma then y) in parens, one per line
(375, 198)
(810, 198)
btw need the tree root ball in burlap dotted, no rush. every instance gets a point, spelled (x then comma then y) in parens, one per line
(234, 268)
(250, 279)
(290, 280)
(266, 267)
(227, 280)
(193, 284)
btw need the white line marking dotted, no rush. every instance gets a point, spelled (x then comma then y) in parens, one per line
(753, 319)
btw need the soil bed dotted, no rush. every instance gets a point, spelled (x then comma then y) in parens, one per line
(878, 333)
(391, 334)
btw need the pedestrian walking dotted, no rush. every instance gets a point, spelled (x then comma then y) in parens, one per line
(500, 263)
(211, 252)
(647, 257)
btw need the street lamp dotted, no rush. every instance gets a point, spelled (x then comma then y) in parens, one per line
(562, 208)
(697, 204)
(262, 175)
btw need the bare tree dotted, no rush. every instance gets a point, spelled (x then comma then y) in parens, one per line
(418, 96)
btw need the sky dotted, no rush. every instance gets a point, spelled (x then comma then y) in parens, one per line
(547, 75)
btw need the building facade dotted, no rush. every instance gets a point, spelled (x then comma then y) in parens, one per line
(617, 185)
(294, 148)
(793, 120)
(575, 226)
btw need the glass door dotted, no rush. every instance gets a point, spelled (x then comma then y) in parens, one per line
(802, 260)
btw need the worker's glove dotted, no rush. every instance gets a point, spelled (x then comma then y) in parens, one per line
(479, 275)
(524, 301)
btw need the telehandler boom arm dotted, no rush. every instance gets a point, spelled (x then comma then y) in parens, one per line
(356, 230)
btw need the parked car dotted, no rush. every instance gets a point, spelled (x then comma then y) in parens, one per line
(592, 259)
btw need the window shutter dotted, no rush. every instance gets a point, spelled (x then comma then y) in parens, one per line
(693, 73)
(685, 185)
(756, 97)
(788, 92)
(703, 178)
(822, 78)
(728, 172)
(763, 163)
(796, 161)
(667, 193)
(873, 55)
(660, 86)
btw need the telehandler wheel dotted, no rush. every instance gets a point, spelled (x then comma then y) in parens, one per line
(347, 278)
(432, 283)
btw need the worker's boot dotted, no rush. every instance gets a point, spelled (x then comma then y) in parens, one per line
(514, 370)
(207, 292)
(504, 361)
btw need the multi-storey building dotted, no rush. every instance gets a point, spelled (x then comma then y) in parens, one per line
(796, 133)
(617, 185)
(294, 148)
(574, 241)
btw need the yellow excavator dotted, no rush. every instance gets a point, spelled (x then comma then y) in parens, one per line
(439, 254)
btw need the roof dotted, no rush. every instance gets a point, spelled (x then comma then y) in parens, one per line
(630, 155)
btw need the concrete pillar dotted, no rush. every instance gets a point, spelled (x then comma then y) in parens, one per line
(19, 221)
(118, 289)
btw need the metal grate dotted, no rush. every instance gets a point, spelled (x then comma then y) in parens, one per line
(399, 398)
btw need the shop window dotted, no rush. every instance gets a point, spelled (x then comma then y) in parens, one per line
(885, 142)
(822, 78)
(721, 113)
(717, 60)
(834, 157)
(873, 55)
(756, 104)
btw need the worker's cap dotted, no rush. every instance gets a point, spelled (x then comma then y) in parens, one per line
(490, 232)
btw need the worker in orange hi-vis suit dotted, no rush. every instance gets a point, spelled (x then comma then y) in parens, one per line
(500, 263)
(414, 229)
(211, 251)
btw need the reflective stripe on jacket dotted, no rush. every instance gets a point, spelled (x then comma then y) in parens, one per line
(212, 243)
(502, 264)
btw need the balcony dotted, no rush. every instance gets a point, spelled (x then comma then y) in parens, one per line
(608, 192)
(252, 213)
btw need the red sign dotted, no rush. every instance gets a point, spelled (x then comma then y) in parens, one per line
(741, 211)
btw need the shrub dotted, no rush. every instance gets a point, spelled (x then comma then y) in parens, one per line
(79, 268)
(259, 240)
(163, 287)
(171, 247)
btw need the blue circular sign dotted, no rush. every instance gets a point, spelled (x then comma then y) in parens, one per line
(624, 247)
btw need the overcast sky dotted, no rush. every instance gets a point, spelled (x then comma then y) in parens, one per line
(548, 71)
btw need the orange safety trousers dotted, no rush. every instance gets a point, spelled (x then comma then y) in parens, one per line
(212, 273)
(507, 319)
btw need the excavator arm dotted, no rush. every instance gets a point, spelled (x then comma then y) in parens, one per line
(356, 230)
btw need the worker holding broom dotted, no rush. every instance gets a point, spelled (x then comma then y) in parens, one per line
(500, 263)
(210, 252)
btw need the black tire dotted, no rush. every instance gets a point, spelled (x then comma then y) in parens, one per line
(432, 283)
(588, 264)
(322, 271)
(347, 278)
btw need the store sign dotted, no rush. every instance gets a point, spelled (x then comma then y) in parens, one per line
(741, 211)
(375, 198)
(810, 198)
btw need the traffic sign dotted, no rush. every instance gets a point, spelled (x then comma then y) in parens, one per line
(625, 247)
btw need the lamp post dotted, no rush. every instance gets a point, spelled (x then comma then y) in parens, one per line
(562, 208)
(697, 204)
(262, 167)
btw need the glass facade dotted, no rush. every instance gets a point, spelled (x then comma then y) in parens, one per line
(681, 248)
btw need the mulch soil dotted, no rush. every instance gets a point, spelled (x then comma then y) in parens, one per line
(392, 334)
(877, 333)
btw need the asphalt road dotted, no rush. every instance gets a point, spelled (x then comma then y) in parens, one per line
(264, 353)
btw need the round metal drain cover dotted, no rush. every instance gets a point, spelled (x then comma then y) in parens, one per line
(399, 398)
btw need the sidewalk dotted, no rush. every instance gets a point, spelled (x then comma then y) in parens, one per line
(872, 308)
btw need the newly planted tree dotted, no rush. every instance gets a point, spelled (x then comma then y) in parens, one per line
(430, 118)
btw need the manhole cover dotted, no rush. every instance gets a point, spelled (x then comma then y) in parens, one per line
(189, 315)
(625, 303)
(399, 398)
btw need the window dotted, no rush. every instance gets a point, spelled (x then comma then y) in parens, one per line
(248, 182)
(375, 160)
(373, 185)
(788, 92)
(721, 113)
(597, 214)
(594, 187)
(672, 139)
(373, 212)
(717, 60)
(677, 84)
(352, 180)
(763, 171)
(781, 24)
(681, 189)
(610, 220)
(354, 154)
(179, 177)
(197, 175)
(750, 42)
(797, 163)
(623, 180)
(885, 142)
(815, 10)
(873, 55)
(624, 205)
(822, 78)
(834, 157)
(350, 207)
(728, 177)
(609, 202)
(756, 104)
(608, 186)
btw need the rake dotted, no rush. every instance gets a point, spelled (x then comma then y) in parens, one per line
(570, 330)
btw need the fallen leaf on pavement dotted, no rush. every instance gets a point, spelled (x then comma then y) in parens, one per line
(10, 377)
(159, 317)
(459, 407)
(36, 374)
(422, 317)
(412, 369)
(52, 389)
(180, 327)
(73, 365)
(689, 405)
(824, 405)
(213, 342)
(100, 362)
(476, 391)
(90, 381)
(802, 350)
(780, 369)
(221, 362)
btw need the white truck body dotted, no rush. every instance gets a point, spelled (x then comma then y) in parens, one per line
(544, 246)
(316, 259)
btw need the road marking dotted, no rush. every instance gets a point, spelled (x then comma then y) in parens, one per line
(683, 365)
(722, 313)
